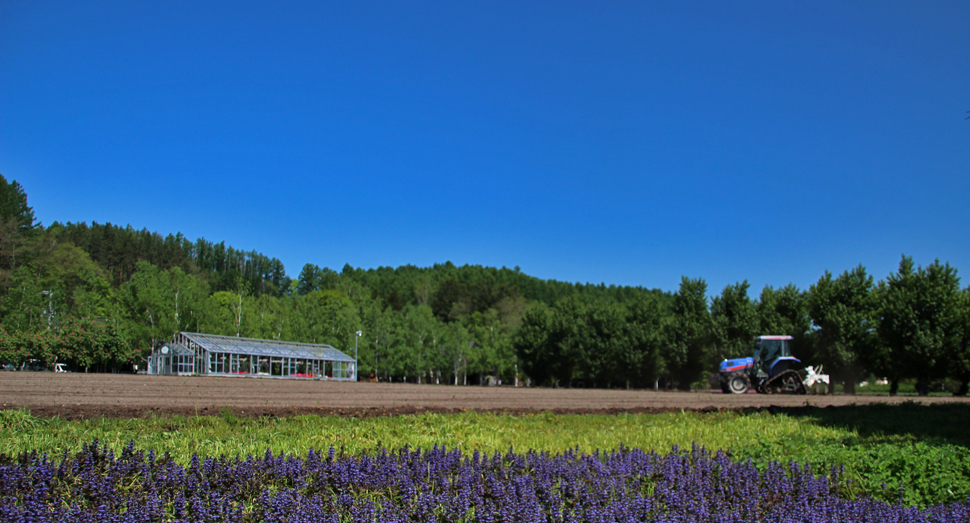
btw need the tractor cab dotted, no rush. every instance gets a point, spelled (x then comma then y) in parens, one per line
(769, 351)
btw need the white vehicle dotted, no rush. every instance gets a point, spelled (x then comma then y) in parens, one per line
(60, 367)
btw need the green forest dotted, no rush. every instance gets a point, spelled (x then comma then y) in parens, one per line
(99, 297)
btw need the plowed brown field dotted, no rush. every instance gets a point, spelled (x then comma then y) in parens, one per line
(75, 396)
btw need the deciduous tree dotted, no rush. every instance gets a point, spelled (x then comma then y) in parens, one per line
(533, 345)
(640, 360)
(920, 323)
(689, 355)
(784, 312)
(735, 322)
(844, 315)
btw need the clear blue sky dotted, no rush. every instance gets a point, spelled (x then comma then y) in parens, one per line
(628, 143)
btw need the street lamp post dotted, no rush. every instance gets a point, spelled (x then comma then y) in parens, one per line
(355, 353)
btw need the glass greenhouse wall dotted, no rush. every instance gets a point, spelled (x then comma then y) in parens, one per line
(207, 354)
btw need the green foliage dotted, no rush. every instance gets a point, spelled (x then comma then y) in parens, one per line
(161, 303)
(908, 453)
(13, 205)
(19, 347)
(921, 324)
(784, 312)
(735, 321)
(689, 356)
(453, 324)
(330, 317)
(640, 360)
(915, 454)
(226, 312)
(231, 433)
(313, 278)
(118, 249)
(593, 344)
(93, 296)
(532, 344)
(476, 288)
(80, 342)
(844, 312)
(911, 472)
(492, 329)
(960, 358)
(155, 286)
(27, 305)
(83, 343)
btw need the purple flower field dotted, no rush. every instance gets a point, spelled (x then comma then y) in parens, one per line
(433, 485)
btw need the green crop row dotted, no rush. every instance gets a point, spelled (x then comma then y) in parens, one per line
(922, 451)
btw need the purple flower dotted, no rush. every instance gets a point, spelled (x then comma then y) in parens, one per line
(627, 485)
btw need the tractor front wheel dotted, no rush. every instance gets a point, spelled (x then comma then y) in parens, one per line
(739, 383)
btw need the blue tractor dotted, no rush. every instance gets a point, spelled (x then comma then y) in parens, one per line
(772, 369)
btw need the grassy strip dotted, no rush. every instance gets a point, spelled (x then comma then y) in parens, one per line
(485, 432)
(883, 448)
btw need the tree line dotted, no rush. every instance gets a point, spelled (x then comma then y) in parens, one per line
(914, 324)
(101, 296)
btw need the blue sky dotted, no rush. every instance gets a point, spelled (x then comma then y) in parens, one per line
(625, 143)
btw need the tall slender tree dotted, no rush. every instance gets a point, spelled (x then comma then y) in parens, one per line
(534, 346)
(640, 361)
(735, 321)
(689, 355)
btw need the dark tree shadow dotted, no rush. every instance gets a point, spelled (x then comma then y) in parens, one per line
(935, 424)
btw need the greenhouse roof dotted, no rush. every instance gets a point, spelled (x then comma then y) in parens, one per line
(271, 348)
(177, 348)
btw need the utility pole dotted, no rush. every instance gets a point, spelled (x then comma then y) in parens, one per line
(356, 338)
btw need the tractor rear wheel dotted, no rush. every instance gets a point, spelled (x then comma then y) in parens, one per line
(739, 383)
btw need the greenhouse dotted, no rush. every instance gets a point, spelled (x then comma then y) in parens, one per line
(191, 353)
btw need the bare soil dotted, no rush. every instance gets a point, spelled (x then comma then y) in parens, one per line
(81, 396)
